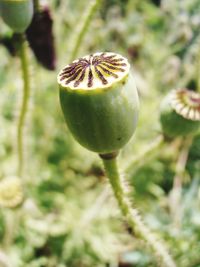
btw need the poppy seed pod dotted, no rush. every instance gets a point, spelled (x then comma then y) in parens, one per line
(180, 113)
(99, 101)
(17, 14)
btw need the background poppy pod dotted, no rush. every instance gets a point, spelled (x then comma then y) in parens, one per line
(41, 39)
(99, 101)
(17, 14)
(180, 113)
(11, 192)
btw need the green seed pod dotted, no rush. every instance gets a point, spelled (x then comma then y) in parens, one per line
(180, 113)
(99, 101)
(17, 14)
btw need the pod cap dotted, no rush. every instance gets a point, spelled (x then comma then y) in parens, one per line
(99, 70)
(99, 101)
(180, 113)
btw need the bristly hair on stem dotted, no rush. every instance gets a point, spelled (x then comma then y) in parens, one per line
(132, 216)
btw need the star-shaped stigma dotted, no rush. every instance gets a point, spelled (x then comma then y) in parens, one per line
(186, 103)
(99, 66)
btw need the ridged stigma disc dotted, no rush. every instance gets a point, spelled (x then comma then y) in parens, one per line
(99, 70)
(180, 113)
(186, 103)
(99, 101)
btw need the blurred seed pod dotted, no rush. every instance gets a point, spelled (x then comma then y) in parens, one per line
(17, 14)
(180, 113)
(41, 39)
(11, 192)
(99, 101)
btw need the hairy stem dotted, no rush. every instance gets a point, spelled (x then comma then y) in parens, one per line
(24, 104)
(83, 27)
(131, 214)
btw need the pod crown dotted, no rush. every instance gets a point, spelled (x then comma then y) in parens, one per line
(99, 70)
(186, 103)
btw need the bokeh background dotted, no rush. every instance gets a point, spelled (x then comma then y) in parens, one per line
(68, 216)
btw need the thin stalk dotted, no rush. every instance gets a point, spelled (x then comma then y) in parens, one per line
(198, 71)
(146, 154)
(9, 228)
(83, 27)
(36, 5)
(24, 104)
(176, 192)
(132, 216)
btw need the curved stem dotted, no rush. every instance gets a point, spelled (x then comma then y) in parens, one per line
(24, 105)
(9, 228)
(146, 154)
(176, 192)
(83, 27)
(131, 214)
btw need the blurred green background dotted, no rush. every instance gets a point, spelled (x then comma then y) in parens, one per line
(69, 217)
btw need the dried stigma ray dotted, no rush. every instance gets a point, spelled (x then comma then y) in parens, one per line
(186, 103)
(99, 70)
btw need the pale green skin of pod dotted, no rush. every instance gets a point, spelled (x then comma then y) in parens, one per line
(17, 14)
(173, 124)
(102, 120)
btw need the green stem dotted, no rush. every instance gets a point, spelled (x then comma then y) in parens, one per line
(24, 105)
(9, 228)
(137, 161)
(36, 6)
(198, 71)
(83, 27)
(131, 214)
(175, 202)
